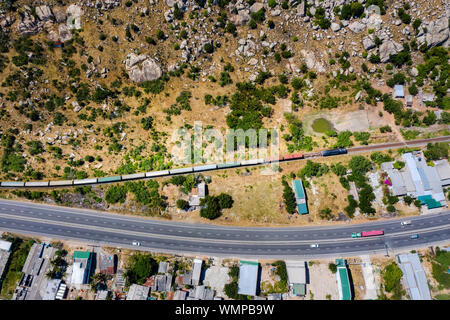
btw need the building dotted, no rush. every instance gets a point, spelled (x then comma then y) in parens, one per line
(180, 295)
(120, 279)
(296, 271)
(197, 193)
(203, 293)
(102, 294)
(81, 267)
(55, 290)
(414, 278)
(5, 252)
(343, 281)
(419, 180)
(162, 282)
(428, 97)
(248, 278)
(138, 292)
(300, 196)
(34, 269)
(274, 296)
(398, 91)
(196, 272)
(409, 100)
(163, 267)
(106, 263)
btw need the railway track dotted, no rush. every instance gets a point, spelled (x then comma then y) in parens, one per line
(213, 167)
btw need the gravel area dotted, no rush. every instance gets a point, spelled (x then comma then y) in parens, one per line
(321, 282)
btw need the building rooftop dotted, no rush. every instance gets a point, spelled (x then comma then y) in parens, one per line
(81, 255)
(414, 276)
(398, 91)
(343, 281)
(248, 277)
(5, 245)
(300, 196)
(52, 289)
(196, 271)
(296, 271)
(138, 292)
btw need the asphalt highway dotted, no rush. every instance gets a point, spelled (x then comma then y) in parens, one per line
(101, 228)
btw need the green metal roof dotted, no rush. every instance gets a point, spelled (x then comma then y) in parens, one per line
(250, 262)
(302, 208)
(81, 255)
(345, 284)
(429, 201)
(299, 289)
(298, 189)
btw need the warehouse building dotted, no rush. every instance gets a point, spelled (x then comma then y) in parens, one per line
(343, 281)
(196, 272)
(5, 252)
(248, 278)
(81, 267)
(419, 180)
(414, 278)
(300, 197)
(138, 292)
(296, 271)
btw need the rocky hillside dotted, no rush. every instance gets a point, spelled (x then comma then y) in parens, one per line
(90, 88)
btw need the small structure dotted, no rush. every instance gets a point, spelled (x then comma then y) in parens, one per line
(180, 295)
(300, 196)
(106, 263)
(163, 267)
(81, 267)
(248, 278)
(398, 91)
(197, 193)
(5, 252)
(138, 292)
(296, 271)
(55, 290)
(419, 180)
(162, 282)
(409, 100)
(196, 272)
(414, 278)
(274, 296)
(345, 292)
(120, 279)
(203, 293)
(102, 294)
(428, 97)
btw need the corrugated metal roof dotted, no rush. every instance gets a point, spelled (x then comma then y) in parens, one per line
(296, 271)
(248, 277)
(414, 275)
(398, 91)
(81, 255)
(298, 189)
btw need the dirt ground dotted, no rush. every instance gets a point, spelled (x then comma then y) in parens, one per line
(321, 282)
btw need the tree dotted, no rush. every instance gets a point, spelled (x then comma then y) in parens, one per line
(225, 201)
(289, 197)
(360, 165)
(182, 204)
(98, 281)
(147, 122)
(140, 267)
(211, 208)
(117, 193)
(392, 275)
(332, 267)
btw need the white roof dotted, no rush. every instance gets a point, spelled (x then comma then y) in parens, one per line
(248, 277)
(296, 271)
(138, 292)
(5, 245)
(78, 273)
(414, 275)
(196, 271)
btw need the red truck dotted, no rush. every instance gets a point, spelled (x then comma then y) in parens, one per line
(367, 233)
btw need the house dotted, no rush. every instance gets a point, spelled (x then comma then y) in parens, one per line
(248, 278)
(5, 252)
(180, 295)
(106, 263)
(296, 271)
(138, 292)
(203, 293)
(398, 91)
(419, 180)
(428, 97)
(81, 267)
(197, 193)
(196, 272)
(55, 290)
(300, 196)
(414, 278)
(409, 100)
(162, 282)
(343, 280)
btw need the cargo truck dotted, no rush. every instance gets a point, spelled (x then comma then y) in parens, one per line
(367, 234)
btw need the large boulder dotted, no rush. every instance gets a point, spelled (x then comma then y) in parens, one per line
(335, 27)
(28, 24)
(368, 43)
(64, 33)
(74, 13)
(142, 68)
(44, 13)
(438, 32)
(356, 26)
(311, 61)
(60, 14)
(241, 19)
(181, 3)
(256, 7)
(389, 47)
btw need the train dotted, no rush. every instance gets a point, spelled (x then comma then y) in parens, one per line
(161, 173)
(333, 152)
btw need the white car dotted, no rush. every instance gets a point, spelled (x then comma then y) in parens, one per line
(314, 245)
(405, 223)
(135, 243)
